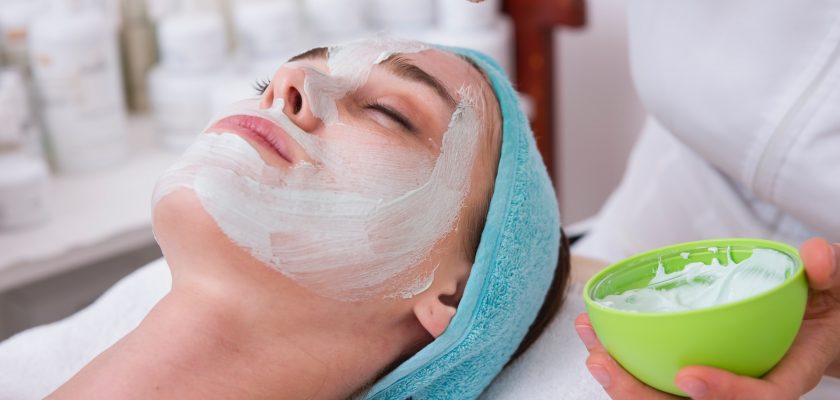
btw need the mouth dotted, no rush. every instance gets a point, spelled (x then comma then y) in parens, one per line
(260, 131)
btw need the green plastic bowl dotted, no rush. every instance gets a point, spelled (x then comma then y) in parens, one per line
(747, 337)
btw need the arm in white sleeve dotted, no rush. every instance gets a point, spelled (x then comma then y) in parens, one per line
(752, 87)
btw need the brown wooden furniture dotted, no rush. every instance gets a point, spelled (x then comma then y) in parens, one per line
(534, 21)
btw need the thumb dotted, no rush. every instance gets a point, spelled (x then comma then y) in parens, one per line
(703, 383)
(821, 260)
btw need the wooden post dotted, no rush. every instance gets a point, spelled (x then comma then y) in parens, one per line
(534, 21)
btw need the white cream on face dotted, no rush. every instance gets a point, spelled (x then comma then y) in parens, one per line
(357, 221)
(700, 285)
(349, 66)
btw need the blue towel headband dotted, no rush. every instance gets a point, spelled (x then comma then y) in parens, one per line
(514, 267)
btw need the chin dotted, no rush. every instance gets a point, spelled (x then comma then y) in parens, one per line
(181, 226)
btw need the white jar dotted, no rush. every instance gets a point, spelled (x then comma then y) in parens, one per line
(180, 103)
(73, 54)
(336, 20)
(192, 41)
(462, 15)
(193, 55)
(268, 29)
(24, 184)
(403, 15)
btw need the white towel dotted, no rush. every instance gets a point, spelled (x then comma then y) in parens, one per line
(554, 367)
(37, 361)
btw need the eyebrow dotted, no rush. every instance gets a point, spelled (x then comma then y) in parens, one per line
(397, 65)
(401, 67)
(318, 52)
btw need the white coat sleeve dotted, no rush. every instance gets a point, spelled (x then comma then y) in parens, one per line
(753, 87)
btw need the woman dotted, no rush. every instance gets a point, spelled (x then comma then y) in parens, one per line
(742, 141)
(378, 195)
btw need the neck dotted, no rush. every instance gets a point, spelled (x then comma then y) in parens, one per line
(235, 339)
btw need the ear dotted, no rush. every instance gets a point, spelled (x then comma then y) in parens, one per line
(433, 315)
(435, 307)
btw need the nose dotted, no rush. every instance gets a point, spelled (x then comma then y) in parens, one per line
(287, 85)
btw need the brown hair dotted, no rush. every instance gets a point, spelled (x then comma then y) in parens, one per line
(553, 299)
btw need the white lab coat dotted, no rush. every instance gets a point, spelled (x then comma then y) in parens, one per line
(743, 138)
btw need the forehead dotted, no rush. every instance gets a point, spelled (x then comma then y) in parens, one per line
(451, 70)
(350, 60)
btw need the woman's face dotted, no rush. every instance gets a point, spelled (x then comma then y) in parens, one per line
(348, 174)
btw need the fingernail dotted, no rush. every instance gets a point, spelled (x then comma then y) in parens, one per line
(833, 260)
(600, 374)
(693, 387)
(587, 336)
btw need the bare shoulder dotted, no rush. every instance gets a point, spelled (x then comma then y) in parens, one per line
(584, 268)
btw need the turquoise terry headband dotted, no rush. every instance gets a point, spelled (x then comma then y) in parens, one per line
(513, 269)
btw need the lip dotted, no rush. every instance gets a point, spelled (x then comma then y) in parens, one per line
(260, 130)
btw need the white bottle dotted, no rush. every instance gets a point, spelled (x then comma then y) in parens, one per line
(464, 16)
(403, 16)
(193, 60)
(181, 104)
(24, 185)
(268, 29)
(336, 20)
(23, 176)
(74, 59)
(192, 39)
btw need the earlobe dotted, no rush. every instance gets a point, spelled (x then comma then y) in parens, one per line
(433, 315)
(435, 307)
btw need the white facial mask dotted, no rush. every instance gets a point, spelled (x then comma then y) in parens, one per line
(356, 222)
(349, 67)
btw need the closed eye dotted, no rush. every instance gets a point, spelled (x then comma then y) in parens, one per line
(394, 115)
(260, 85)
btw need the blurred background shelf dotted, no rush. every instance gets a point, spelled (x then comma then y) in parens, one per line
(93, 216)
(98, 230)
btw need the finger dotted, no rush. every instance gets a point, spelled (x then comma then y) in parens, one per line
(587, 335)
(821, 260)
(703, 383)
(617, 382)
(802, 367)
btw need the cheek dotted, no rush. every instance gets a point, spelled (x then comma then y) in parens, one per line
(373, 161)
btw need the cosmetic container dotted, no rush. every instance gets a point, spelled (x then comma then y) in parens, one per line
(402, 16)
(24, 181)
(75, 66)
(464, 16)
(336, 20)
(193, 59)
(267, 29)
(23, 176)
